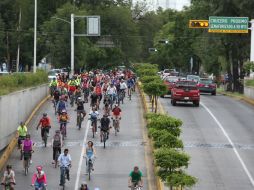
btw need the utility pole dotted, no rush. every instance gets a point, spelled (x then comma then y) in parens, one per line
(18, 51)
(252, 41)
(72, 44)
(35, 34)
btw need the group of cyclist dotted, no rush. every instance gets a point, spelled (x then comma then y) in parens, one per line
(111, 87)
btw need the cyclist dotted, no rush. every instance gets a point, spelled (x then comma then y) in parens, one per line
(77, 93)
(45, 124)
(64, 161)
(53, 86)
(135, 178)
(130, 84)
(98, 91)
(84, 187)
(94, 115)
(63, 119)
(122, 87)
(56, 96)
(64, 93)
(57, 143)
(105, 121)
(27, 149)
(21, 133)
(80, 109)
(89, 154)
(61, 105)
(39, 179)
(8, 178)
(112, 92)
(94, 99)
(116, 114)
(85, 87)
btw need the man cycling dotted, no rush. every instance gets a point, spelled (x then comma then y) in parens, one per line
(64, 161)
(53, 86)
(62, 105)
(56, 97)
(130, 85)
(57, 143)
(94, 115)
(39, 179)
(116, 114)
(21, 133)
(135, 178)
(27, 149)
(105, 121)
(80, 109)
(8, 178)
(94, 99)
(45, 124)
(112, 92)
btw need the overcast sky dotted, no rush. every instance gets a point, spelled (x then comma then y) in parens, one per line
(174, 4)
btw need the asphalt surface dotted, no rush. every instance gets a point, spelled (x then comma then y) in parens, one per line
(112, 165)
(219, 137)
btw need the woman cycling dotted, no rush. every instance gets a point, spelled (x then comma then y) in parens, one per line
(39, 179)
(90, 153)
(9, 178)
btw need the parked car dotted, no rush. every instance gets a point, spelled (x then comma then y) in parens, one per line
(170, 82)
(207, 85)
(185, 91)
(52, 74)
(195, 78)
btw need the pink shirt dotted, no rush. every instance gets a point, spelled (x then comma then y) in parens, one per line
(40, 178)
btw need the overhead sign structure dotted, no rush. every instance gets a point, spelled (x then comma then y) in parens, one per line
(228, 24)
(198, 23)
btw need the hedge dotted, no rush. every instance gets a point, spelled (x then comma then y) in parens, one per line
(18, 81)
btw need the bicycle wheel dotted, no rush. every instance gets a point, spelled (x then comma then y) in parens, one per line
(114, 124)
(89, 170)
(26, 166)
(79, 121)
(56, 158)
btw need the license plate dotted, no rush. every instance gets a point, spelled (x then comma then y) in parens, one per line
(186, 98)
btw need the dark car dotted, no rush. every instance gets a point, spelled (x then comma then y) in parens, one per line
(207, 86)
(185, 91)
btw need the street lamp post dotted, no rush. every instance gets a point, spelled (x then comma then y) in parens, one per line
(72, 44)
(35, 34)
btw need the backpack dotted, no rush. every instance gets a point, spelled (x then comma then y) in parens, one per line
(57, 140)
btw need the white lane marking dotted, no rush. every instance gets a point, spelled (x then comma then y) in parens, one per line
(81, 155)
(231, 142)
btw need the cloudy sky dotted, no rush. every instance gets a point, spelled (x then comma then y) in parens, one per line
(175, 4)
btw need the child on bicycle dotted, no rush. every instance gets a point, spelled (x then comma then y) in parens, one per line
(39, 179)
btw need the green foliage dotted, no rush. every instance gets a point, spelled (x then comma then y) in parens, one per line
(146, 79)
(180, 178)
(160, 122)
(18, 81)
(248, 66)
(249, 83)
(170, 160)
(155, 88)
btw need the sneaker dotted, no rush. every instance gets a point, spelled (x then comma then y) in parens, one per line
(31, 161)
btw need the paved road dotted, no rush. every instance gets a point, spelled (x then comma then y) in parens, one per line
(219, 136)
(112, 165)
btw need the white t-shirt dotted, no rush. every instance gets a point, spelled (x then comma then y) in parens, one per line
(9, 177)
(64, 160)
(111, 90)
(123, 85)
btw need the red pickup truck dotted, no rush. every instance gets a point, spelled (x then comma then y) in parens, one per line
(185, 91)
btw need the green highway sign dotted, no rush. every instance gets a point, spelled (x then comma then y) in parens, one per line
(228, 24)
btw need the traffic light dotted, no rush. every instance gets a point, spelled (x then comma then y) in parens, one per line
(199, 24)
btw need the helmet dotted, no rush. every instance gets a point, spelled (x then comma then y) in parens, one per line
(27, 135)
(39, 168)
(64, 111)
(22, 123)
(79, 99)
(44, 114)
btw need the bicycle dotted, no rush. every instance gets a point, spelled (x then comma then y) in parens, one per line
(20, 141)
(39, 188)
(63, 129)
(94, 125)
(79, 119)
(7, 186)
(64, 175)
(136, 186)
(121, 96)
(116, 124)
(72, 98)
(27, 158)
(129, 92)
(104, 137)
(55, 105)
(86, 95)
(90, 167)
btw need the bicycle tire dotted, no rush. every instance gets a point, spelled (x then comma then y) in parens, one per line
(93, 129)
(114, 123)
(26, 166)
(89, 171)
(56, 158)
(104, 139)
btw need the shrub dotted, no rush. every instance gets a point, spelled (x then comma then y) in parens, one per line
(18, 81)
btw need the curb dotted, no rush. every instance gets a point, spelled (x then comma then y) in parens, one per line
(159, 183)
(244, 98)
(9, 149)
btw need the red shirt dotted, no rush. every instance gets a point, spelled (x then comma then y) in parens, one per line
(45, 122)
(116, 111)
